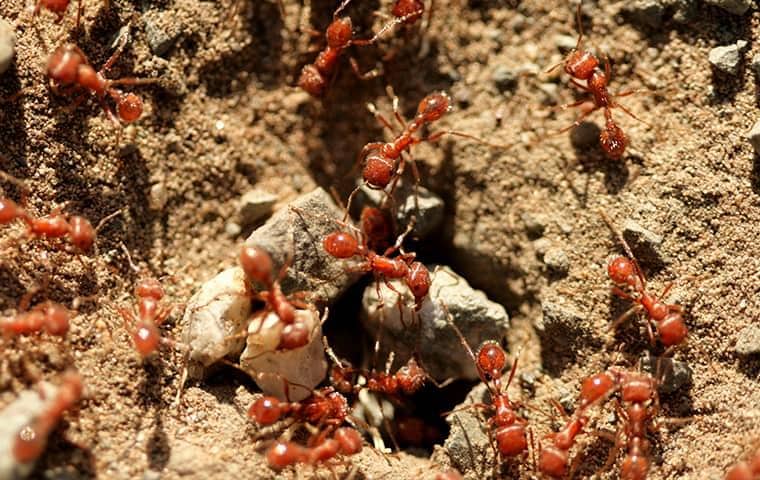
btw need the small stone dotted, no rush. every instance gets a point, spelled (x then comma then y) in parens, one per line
(542, 245)
(556, 259)
(232, 229)
(549, 91)
(585, 135)
(737, 7)
(646, 12)
(562, 318)
(158, 196)
(535, 223)
(7, 45)
(673, 374)
(756, 64)
(645, 243)
(565, 42)
(754, 137)
(468, 440)
(504, 78)
(426, 209)
(726, 58)
(255, 205)
(161, 30)
(151, 475)
(436, 343)
(748, 340)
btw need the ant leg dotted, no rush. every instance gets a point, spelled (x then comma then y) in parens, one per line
(620, 293)
(565, 106)
(368, 75)
(134, 81)
(394, 104)
(80, 12)
(115, 56)
(380, 118)
(579, 85)
(435, 136)
(622, 318)
(666, 290)
(340, 8)
(577, 122)
(630, 114)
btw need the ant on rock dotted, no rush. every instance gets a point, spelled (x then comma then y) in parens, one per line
(667, 318)
(70, 72)
(582, 65)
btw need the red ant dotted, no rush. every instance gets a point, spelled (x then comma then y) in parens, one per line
(257, 266)
(408, 11)
(150, 315)
(582, 65)
(70, 71)
(345, 440)
(31, 439)
(408, 379)
(59, 7)
(510, 433)
(667, 318)
(48, 316)
(324, 406)
(747, 469)
(78, 229)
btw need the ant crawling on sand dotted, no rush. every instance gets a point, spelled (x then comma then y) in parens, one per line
(78, 229)
(345, 440)
(50, 317)
(582, 65)
(70, 72)
(150, 315)
(666, 318)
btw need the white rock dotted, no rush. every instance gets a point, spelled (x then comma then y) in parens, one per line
(286, 374)
(7, 45)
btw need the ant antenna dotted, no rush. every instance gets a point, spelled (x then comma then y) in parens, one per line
(340, 8)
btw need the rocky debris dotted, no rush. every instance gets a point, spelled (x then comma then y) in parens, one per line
(646, 12)
(748, 340)
(737, 7)
(504, 78)
(645, 243)
(158, 196)
(214, 318)
(560, 317)
(557, 261)
(727, 58)
(585, 135)
(296, 232)
(427, 209)
(754, 137)
(535, 223)
(303, 368)
(440, 351)
(755, 64)
(565, 43)
(7, 45)
(254, 206)
(27, 406)
(161, 30)
(468, 442)
(673, 374)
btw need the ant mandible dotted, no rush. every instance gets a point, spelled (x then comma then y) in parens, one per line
(69, 71)
(667, 318)
(582, 65)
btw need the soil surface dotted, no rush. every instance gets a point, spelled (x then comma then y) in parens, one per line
(225, 117)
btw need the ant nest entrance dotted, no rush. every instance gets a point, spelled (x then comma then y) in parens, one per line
(288, 374)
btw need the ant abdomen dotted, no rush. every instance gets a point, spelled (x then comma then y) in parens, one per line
(672, 329)
(146, 337)
(378, 170)
(265, 410)
(613, 140)
(256, 263)
(434, 106)
(511, 440)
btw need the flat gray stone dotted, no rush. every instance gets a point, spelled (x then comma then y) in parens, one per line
(726, 58)
(737, 7)
(748, 340)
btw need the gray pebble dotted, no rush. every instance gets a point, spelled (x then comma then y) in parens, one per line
(748, 340)
(647, 12)
(756, 64)
(754, 137)
(7, 45)
(673, 374)
(557, 260)
(255, 205)
(565, 42)
(468, 439)
(504, 78)
(560, 317)
(158, 196)
(645, 243)
(737, 7)
(535, 223)
(161, 33)
(585, 135)
(726, 58)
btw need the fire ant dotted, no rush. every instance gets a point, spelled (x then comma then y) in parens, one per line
(49, 317)
(582, 65)
(31, 439)
(150, 315)
(257, 266)
(70, 71)
(325, 406)
(510, 433)
(747, 469)
(345, 440)
(78, 229)
(666, 318)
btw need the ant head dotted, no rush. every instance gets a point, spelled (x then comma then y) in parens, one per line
(613, 140)
(410, 10)
(621, 270)
(434, 106)
(595, 387)
(294, 335)
(341, 245)
(265, 410)
(256, 263)
(418, 280)
(378, 170)
(581, 64)
(340, 32)
(129, 107)
(672, 329)
(349, 439)
(63, 65)
(149, 288)
(491, 359)
(81, 232)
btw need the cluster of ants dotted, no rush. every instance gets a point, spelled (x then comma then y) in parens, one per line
(325, 415)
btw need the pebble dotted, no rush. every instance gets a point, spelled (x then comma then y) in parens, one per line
(645, 243)
(160, 32)
(255, 205)
(504, 78)
(673, 374)
(647, 12)
(439, 348)
(427, 210)
(737, 7)
(565, 42)
(468, 438)
(748, 340)
(557, 260)
(535, 223)
(7, 45)
(158, 196)
(28, 405)
(561, 318)
(585, 135)
(754, 137)
(726, 58)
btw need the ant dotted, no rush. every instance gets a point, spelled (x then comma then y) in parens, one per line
(78, 229)
(408, 12)
(345, 440)
(257, 266)
(323, 406)
(31, 440)
(666, 318)
(150, 315)
(408, 379)
(48, 316)
(69, 71)
(510, 432)
(582, 65)
(59, 7)
(747, 469)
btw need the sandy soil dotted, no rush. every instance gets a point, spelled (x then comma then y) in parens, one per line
(226, 117)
